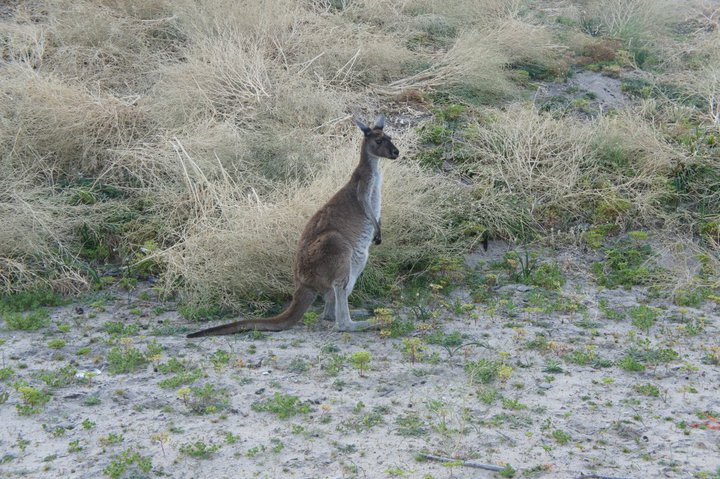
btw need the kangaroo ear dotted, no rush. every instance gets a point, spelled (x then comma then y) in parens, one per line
(380, 122)
(362, 126)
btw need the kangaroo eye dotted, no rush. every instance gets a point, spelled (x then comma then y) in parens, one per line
(378, 141)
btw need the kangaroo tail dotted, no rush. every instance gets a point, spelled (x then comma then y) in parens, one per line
(302, 300)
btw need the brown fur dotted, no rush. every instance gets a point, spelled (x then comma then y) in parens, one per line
(323, 262)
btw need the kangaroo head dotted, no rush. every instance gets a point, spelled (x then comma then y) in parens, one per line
(376, 142)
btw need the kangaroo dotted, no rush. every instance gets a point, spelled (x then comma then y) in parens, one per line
(334, 247)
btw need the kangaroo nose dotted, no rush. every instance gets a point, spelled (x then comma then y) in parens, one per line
(396, 152)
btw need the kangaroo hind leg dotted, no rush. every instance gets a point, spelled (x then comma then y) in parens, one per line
(343, 321)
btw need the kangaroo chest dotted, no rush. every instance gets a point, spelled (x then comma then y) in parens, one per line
(369, 198)
(373, 200)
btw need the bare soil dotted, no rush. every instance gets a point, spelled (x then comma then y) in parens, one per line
(545, 414)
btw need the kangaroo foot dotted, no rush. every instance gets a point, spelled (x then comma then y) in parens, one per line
(354, 326)
(354, 313)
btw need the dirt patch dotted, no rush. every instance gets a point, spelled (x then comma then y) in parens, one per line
(553, 384)
(586, 93)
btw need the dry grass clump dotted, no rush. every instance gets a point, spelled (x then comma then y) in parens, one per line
(345, 58)
(224, 79)
(480, 58)
(474, 60)
(535, 172)
(104, 47)
(524, 42)
(35, 240)
(272, 22)
(478, 12)
(638, 22)
(22, 42)
(61, 129)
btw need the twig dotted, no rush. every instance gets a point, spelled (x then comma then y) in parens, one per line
(477, 465)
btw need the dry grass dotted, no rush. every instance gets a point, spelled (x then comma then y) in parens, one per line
(535, 172)
(632, 20)
(36, 239)
(59, 128)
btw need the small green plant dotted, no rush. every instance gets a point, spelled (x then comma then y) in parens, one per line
(692, 297)
(91, 400)
(363, 422)
(539, 343)
(412, 349)
(199, 450)
(111, 439)
(30, 300)
(284, 405)
(119, 328)
(58, 378)
(128, 460)
(488, 395)
(310, 318)
(647, 390)
(125, 360)
(507, 471)
(581, 357)
(333, 364)
(643, 317)
(32, 399)
(31, 321)
(172, 366)
(561, 437)
(184, 377)
(410, 424)
(298, 365)
(527, 269)
(630, 364)
(205, 399)
(220, 358)
(391, 326)
(513, 404)
(200, 312)
(255, 450)
(553, 366)
(277, 445)
(361, 361)
(6, 373)
(626, 264)
(483, 371)
(56, 343)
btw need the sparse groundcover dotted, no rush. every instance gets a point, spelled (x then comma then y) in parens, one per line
(159, 160)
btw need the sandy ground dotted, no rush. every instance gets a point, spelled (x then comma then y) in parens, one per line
(544, 414)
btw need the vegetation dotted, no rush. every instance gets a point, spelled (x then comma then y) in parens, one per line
(159, 159)
(142, 153)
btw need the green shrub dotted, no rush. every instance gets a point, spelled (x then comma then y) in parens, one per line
(283, 405)
(628, 263)
(125, 360)
(483, 371)
(31, 321)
